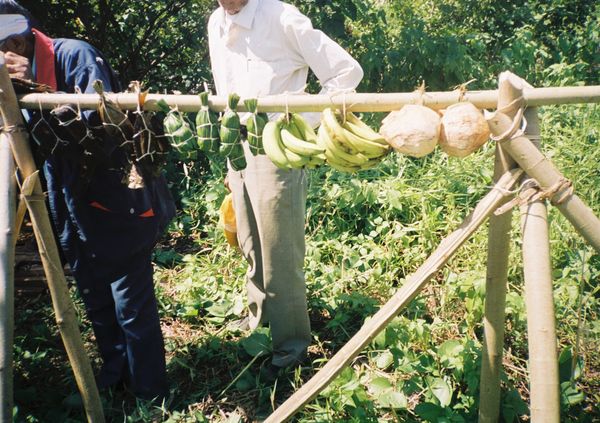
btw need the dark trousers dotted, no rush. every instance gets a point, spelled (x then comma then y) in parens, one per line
(122, 308)
(110, 255)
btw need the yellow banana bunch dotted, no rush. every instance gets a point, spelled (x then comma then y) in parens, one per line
(291, 143)
(350, 144)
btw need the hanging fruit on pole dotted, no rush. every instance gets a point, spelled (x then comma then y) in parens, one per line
(207, 127)
(230, 134)
(255, 125)
(464, 129)
(413, 130)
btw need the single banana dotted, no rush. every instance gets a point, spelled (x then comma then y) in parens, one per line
(316, 160)
(342, 168)
(357, 126)
(371, 163)
(336, 131)
(368, 148)
(272, 144)
(333, 153)
(296, 161)
(306, 131)
(299, 146)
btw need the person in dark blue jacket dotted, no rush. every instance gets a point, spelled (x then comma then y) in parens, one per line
(106, 230)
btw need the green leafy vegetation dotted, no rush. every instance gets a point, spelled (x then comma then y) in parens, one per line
(366, 232)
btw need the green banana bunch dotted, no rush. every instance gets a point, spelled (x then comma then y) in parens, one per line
(290, 142)
(231, 143)
(178, 130)
(350, 145)
(255, 125)
(207, 127)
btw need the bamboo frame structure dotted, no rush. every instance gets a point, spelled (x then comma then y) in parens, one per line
(7, 259)
(550, 180)
(356, 102)
(413, 284)
(511, 151)
(66, 318)
(495, 282)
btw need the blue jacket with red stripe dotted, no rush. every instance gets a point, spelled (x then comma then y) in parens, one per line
(108, 219)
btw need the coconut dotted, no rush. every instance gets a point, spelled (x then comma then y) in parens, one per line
(464, 130)
(413, 130)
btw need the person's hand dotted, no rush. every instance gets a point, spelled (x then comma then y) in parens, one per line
(18, 66)
(226, 183)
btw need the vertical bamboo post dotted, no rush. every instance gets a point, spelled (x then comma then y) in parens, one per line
(66, 318)
(7, 260)
(539, 302)
(496, 281)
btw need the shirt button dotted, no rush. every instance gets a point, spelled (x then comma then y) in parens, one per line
(86, 291)
(93, 255)
(131, 211)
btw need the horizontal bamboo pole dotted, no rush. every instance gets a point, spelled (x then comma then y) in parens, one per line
(413, 284)
(357, 102)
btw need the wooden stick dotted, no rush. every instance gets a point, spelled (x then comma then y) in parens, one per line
(539, 301)
(496, 281)
(7, 266)
(405, 294)
(357, 102)
(20, 216)
(532, 161)
(66, 318)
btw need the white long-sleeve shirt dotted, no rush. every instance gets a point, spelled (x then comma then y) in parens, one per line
(267, 49)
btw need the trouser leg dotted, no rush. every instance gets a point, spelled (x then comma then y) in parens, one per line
(270, 210)
(121, 306)
(137, 314)
(249, 242)
(100, 308)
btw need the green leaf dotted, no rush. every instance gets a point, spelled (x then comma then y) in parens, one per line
(384, 360)
(569, 394)
(442, 391)
(393, 399)
(429, 411)
(257, 343)
(379, 385)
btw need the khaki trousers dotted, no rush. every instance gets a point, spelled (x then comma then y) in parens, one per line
(270, 205)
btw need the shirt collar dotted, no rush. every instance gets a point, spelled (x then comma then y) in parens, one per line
(244, 17)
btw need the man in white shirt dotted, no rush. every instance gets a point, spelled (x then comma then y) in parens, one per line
(260, 48)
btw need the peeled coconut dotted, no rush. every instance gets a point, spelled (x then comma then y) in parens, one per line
(413, 130)
(464, 129)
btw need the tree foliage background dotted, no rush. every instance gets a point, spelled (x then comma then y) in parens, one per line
(398, 42)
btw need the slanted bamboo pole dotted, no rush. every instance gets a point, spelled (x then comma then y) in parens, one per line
(496, 281)
(66, 318)
(7, 265)
(541, 327)
(532, 161)
(357, 102)
(413, 284)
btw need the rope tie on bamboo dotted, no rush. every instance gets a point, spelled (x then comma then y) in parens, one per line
(419, 100)
(345, 106)
(531, 192)
(462, 89)
(519, 123)
(9, 129)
